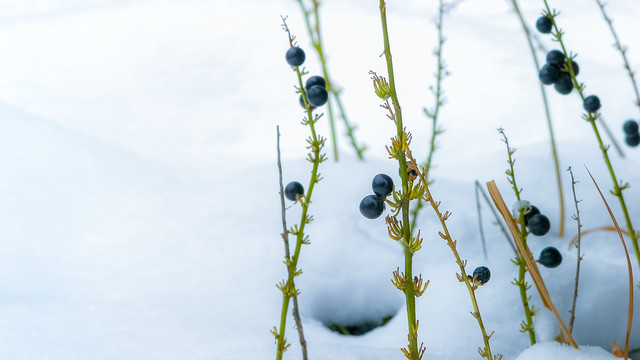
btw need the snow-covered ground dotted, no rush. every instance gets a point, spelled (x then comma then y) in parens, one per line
(139, 209)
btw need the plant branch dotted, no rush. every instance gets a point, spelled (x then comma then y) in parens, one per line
(285, 237)
(591, 118)
(576, 217)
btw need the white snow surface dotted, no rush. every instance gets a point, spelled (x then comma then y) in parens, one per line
(139, 205)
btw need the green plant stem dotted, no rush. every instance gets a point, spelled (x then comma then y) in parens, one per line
(316, 40)
(408, 256)
(522, 269)
(591, 118)
(315, 145)
(528, 312)
(285, 237)
(471, 287)
(623, 52)
(547, 112)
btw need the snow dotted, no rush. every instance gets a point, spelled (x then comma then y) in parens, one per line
(139, 212)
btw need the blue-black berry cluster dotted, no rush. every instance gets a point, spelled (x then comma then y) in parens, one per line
(537, 223)
(552, 72)
(481, 274)
(372, 206)
(317, 94)
(632, 136)
(293, 191)
(550, 257)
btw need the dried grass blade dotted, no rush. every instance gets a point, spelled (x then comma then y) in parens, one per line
(630, 318)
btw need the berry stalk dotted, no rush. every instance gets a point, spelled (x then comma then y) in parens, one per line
(527, 324)
(554, 150)
(316, 143)
(316, 41)
(591, 117)
(412, 353)
(471, 283)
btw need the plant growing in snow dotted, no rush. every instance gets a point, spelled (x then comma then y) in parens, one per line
(591, 117)
(316, 143)
(521, 209)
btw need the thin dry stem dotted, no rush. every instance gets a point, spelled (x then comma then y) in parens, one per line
(577, 218)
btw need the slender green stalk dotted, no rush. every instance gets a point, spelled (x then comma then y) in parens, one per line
(591, 119)
(316, 40)
(316, 143)
(623, 52)
(401, 230)
(471, 283)
(547, 112)
(285, 237)
(529, 311)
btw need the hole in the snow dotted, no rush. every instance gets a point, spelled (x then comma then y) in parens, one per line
(348, 312)
(359, 328)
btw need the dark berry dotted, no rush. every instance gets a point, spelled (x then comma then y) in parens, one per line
(632, 140)
(382, 185)
(564, 85)
(591, 103)
(292, 190)
(550, 257)
(302, 103)
(555, 57)
(295, 56)
(544, 24)
(575, 67)
(549, 74)
(630, 127)
(539, 225)
(317, 95)
(532, 211)
(315, 80)
(371, 206)
(482, 274)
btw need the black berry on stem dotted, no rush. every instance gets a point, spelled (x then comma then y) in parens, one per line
(550, 257)
(382, 185)
(292, 190)
(632, 140)
(482, 274)
(630, 127)
(371, 206)
(544, 24)
(317, 95)
(591, 103)
(539, 224)
(315, 80)
(564, 85)
(549, 74)
(295, 56)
